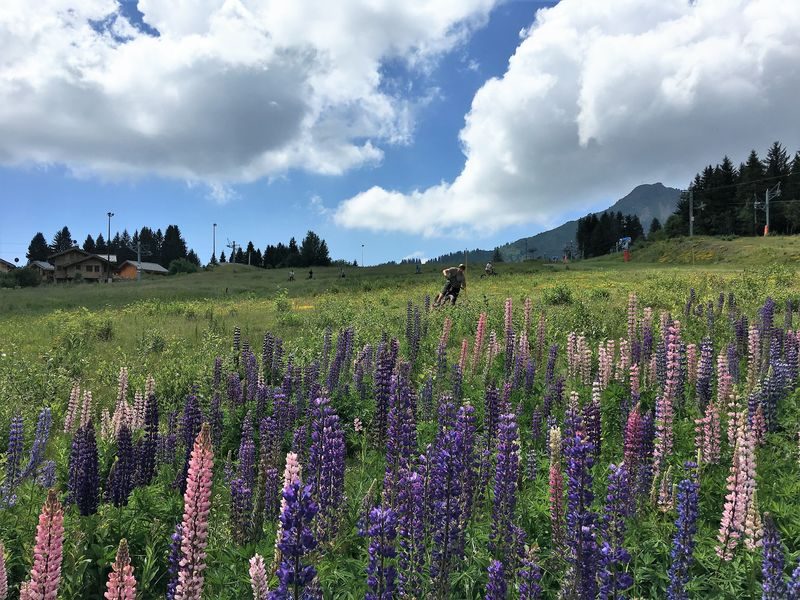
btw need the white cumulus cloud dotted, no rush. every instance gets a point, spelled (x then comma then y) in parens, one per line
(228, 91)
(602, 96)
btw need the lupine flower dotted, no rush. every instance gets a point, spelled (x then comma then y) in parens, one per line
(740, 483)
(47, 553)
(43, 424)
(190, 427)
(121, 584)
(84, 478)
(614, 557)
(381, 572)
(491, 405)
(773, 586)
(13, 459)
(551, 364)
(72, 407)
(704, 372)
(327, 459)
(477, 348)
(137, 420)
(753, 356)
(684, 540)
(86, 409)
(753, 528)
(592, 419)
(530, 577)
(581, 539)
(122, 478)
(295, 542)
(794, 584)
(197, 506)
(496, 588)
(556, 490)
(708, 435)
(258, 578)
(3, 573)
(148, 447)
(241, 513)
(411, 531)
(383, 381)
(505, 487)
(174, 560)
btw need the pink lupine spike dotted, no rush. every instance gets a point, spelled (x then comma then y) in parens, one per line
(258, 577)
(477, 348)
(86, 409)
(446, 327)
(72, 407)
(624, 362)
(632, 310)
(572, 354)
(462, 358)
(508, 326)
(691, 363)
(634, 380)
(556, 489)
(3, 574)
(47, 553)
(196, 508)
(753, 357)
(121, 584)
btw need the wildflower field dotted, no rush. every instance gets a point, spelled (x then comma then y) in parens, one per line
(588, 433)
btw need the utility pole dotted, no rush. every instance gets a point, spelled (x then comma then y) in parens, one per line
(214, 242)
(232, 246)
(770, 194)
(108, 246)
(362, 255)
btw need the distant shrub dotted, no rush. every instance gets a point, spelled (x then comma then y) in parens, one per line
(105, 330)
(20, 278)
(560, 294)
(181, 265)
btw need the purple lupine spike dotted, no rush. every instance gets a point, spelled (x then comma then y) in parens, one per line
(593, 421)
(551, 365)
(287, 386)
(262, 400)
(530, 376)
(401, 439)
(411, 532)
(445, 494)
(235, 394)
(13, 459)
(530, 577)
(173, 560)
(491, 405)
(277, 361)
(426, 398)
(705, 371)
(191, 421)
(381, 570)
(465, 429)
(581, 536)
(267, 348)
(774, 585)
(46, 475)
(326, 348)
(295, 543)
(793, 590)
(84, 477)
(216, 378)
(247, 452)
(148, 447)
(447, 413)
(300, 441)
(684, 540)
(614, 557)
(326, 460)
(537, 422)
(217, 418)
(122, 478)
(457, 382)
(241, 510)
(496, 587)
(251, 375)
(710, 318)
(167, 444)
(383, 389)
(505, 488)
(766, 316)
(42, 434)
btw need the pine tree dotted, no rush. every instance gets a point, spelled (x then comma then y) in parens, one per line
(222, 257)
(62, 240)
(100, 246)
(38, 248)
(192, 257)
(655, 226)
(496, 256)
(173, 246)
(89, 245)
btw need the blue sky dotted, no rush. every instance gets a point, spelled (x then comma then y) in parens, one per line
(401, 127)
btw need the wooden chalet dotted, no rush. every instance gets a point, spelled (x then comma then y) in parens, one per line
(6, 266)
(45, 269)
(128, 269)
(91, 267)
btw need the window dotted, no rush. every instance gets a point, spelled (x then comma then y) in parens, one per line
(97, 268)
(88, 268)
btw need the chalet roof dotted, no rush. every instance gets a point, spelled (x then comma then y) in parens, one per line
(88, 257)
(111, 257)
(10, 264)
(147, 267)
(44, 265)
(68, 250)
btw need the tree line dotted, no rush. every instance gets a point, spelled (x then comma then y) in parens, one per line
(724, 197)
(157, 247)
(312, 252)
(598, 235)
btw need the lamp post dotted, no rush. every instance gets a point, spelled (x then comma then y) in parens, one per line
(362, 255)
(214, 243)
(108, 247)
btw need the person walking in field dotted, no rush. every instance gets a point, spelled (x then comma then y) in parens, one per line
(456, 279)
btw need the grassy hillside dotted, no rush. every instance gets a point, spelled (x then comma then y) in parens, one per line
(701, 250)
